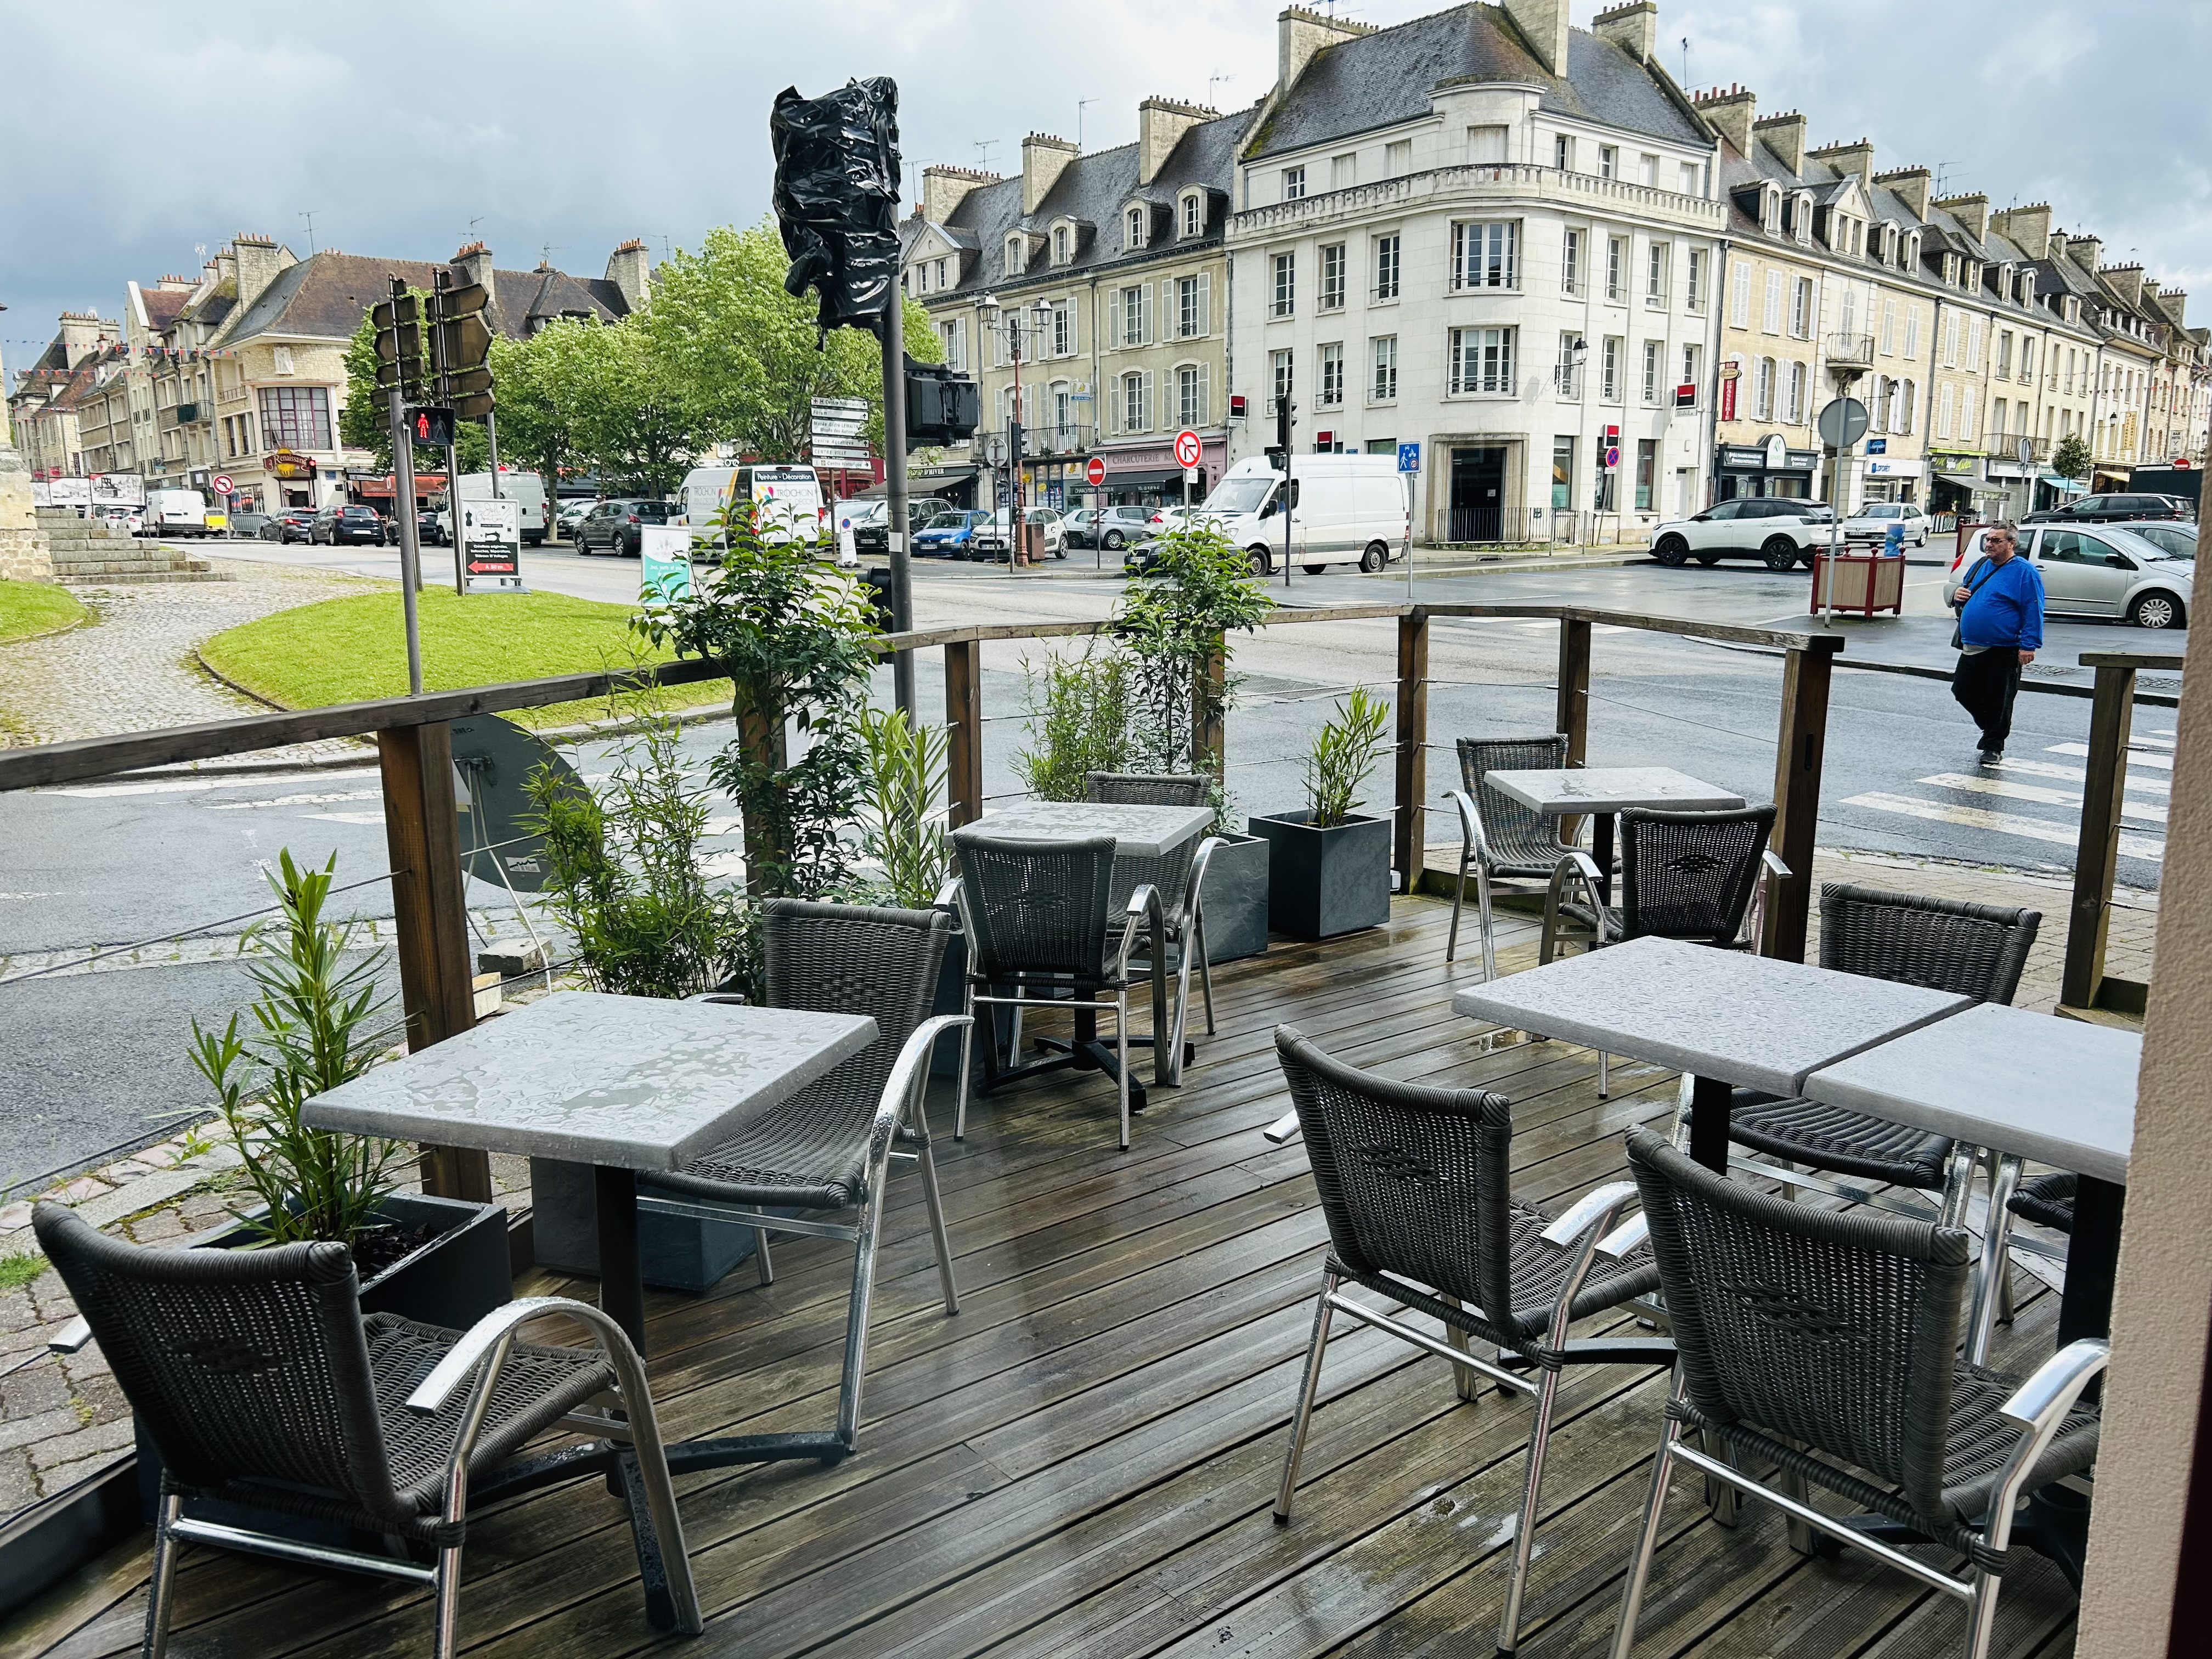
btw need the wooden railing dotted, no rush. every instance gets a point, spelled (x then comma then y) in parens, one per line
(414, 760)
(2083, 983)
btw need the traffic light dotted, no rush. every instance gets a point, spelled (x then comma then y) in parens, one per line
(1284, 410)
(1014, 445)
(836, 198)
(460, 342)
(431, 426)
(398, 323)
(941, 407)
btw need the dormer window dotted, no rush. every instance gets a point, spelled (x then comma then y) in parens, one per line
(1016, 252)
(1294, 184)
(1769, 211)
(1063, 244)
(1802, 219)
(1133, 227)
(1193, 210)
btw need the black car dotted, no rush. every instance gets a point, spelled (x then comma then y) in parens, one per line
(292, 524)
(335, 526)
(619, 526)
(871, 529)
(2114, 509)
(427, 532)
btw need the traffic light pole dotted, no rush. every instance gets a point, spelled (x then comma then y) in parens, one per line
(893, 331)
(410, 551)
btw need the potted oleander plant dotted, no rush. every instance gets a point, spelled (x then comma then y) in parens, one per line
(1329, 867)
(904, 803)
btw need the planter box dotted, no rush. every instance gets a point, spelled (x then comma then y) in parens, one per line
(674, 1252)
(1236, 898)
(1322, 883)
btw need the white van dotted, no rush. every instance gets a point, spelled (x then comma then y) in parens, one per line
(1346, 509)
(527, 488)
(176, 513)
(788, 498)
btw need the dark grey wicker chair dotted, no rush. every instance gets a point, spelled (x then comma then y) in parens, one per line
(828, 1149)
(1034, 914)
(1822, 1342)
(1178, 876)
(257, 1379)
(2048, 1202)
(1498, 838)
(1148, 788)
(1416, 1184)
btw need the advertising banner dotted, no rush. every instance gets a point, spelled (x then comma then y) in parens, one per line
(664, 554)
(491, 546)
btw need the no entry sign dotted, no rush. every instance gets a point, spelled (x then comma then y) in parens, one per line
(1094, 472)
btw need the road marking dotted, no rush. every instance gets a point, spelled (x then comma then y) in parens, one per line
(295, 800)
(2004, 823)
(2146, 813)
(193, 785)
(349, 817)
(2164, 762)
(2075, 774)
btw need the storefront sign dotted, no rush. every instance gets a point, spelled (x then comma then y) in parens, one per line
(1880, 467)
(286, 463)
(1956, 466)
(1777, 452)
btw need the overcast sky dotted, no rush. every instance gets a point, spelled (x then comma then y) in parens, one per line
(562, 126)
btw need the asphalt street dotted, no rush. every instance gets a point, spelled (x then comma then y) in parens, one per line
(98, 1054)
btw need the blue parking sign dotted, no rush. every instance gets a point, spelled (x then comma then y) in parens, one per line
(1409, 457)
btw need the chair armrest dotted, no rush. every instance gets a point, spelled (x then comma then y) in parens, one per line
(1472, 841)
(1577, 865)
(1626, 1239)
(908, 1071)
(1284, 1130)
(730, 998)
(1775, 867)
(71, 1337)
(1144, 910)
(432, 1391)
(1193, 886)
(1593, 1209)
(2049, 1394)
(948, 897)
(1755, 915)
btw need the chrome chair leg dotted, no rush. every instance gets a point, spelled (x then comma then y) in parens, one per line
(1647, 1545)
(1524, 1537)
(1991, 1278)
(1485, 914)
(1309, 1385)
(966, 1036)
(161, 1590)
(763, 1263)
(1204, 967)
(1459, 896)
(926, 1158)
(1464, 1383)
(1604, 1075)
(1122, 1053)
(446, 1638)
(856, 1313)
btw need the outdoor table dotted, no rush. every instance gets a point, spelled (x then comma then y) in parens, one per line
(2059, 1092)
(1604, 791)
(1726, 1017)
(622, 1084)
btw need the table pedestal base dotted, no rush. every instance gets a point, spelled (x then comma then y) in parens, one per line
(2054, 1524)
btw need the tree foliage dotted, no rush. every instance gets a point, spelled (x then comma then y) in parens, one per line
(1171, 622)
(2072, 459)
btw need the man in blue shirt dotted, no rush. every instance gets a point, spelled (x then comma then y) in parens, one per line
(2000, 606)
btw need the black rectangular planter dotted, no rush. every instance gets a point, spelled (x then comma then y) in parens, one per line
(1236, 898)
(674, 1252)
(1322, 883)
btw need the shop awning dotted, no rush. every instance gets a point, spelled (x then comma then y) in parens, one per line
(2071, 486)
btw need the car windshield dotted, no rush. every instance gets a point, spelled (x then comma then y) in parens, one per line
(1882, 510)
(2165, 541)
(1237, 496)
(946, 521)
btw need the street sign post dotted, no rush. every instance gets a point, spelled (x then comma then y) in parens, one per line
(490, 544)
(1188, 450)
(1409, 467)
(222, 484)
(1842, 422)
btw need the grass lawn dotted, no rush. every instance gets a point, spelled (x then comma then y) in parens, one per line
(352, 649)
(36, 608)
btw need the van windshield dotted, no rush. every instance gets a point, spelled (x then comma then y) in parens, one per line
(1235, 496)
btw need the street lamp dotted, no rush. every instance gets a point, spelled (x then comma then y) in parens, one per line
(996, 318)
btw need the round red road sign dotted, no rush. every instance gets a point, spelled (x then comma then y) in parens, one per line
(1094, 472)
(222, 483)
(1186, 450)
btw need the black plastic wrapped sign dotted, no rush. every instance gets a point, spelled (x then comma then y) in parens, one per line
(838, 195)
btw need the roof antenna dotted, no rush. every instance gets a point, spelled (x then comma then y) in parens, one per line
(983, 148)
(309, 216)
(1212, 81)
(1685, 60)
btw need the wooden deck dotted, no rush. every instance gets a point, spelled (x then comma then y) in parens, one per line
(1082, 1461)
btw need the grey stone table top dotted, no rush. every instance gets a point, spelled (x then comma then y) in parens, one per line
(1755, 1021)
(1612, 789)
(2060, 1091)
(1138, 831)
(636, 1082)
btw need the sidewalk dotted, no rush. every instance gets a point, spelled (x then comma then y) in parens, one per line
(1091, 564)
(1921, 646)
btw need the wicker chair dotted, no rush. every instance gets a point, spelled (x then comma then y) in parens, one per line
(1178, 876)
(1148, 788)
(1033, 912)
(1498, 838)
(2048, 1202)
(1822, 1342)
(257, 1379)
(1415, 1183)
(827, 1149)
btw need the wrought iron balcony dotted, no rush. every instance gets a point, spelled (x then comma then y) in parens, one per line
(1075, 438)
(1850, 350)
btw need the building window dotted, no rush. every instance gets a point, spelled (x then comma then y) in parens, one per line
(1386, 266)
(1647, 171)
(1888, 327)
(1571, 262)
(1013, 256)
(1912, 332)
(1398, 157)
(1686, 173)
(1616, 269)
(1286, 298)
(953, 332)
(1694, 293)
(1647, 470)
(1481, 360)
(1943, 412)
(1190, 395)
(1344, 172)
(1063, 329)
(1609, 161)
(1133, 227)
(1563, 474)
(1279, 365)
(1693, 358)
(1652, 350)
(1483, 254)
(1061, 242)
(1738, 294)
(1193, 214)
(1383, 388)
(1562, 152)
(1950, 348)
(1762, 390)
(1608, 386)
(1194, 306)
(296, 416)
(1294, 184)
(1566, 375)
(1769, 321)
(1332, 276)
(1655, 274)
(1797, 406)
(1330, 361)
(1801, 310)
(1137, 315)
(1136, 411)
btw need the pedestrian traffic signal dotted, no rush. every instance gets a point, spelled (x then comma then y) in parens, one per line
(398, 324)
(431, 426)
(1284, 410)
(460, 344)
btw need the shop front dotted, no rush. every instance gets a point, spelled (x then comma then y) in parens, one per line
(2053, 490)
(291, 480)
(1956, 484)
(1888, 478)
(1767, 468)
(1137, 475)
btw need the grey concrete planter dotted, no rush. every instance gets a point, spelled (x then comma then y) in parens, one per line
(675, 1252)
(1322, 883)
(1236, 898)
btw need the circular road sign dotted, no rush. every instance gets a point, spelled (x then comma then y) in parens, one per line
(1842, 422)
(1187, 448)
(1094, 472)
(222, 483)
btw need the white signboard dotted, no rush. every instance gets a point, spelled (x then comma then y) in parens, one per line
(67, 492)
(119, 490)
(665, 560)
(491, 546)
(1878, 466)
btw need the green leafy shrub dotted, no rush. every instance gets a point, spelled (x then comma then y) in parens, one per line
(904, 831)
(1079, 720)
(1344, 752)
(1172, 623)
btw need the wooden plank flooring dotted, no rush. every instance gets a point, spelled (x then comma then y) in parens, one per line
(1083, 1459)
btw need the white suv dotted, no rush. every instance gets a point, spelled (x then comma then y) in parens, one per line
(1775, 528)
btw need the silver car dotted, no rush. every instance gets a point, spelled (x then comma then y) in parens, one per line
(1872, 522)
(2102, 570)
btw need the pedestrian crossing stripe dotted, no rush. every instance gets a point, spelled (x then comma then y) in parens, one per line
(2027, 768)
(2135, 756)
(2148, 848)
(2142, 811)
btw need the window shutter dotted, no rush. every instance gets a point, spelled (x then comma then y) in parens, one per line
(1739, 297)
(1205, 303)
(1145, 402)
(1145, 313)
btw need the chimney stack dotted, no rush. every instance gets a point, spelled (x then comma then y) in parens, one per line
(1043, 157)
(1785, 134)
(2085, 251)
(629, 268)
(2029, 226)
(1543, 25)
(257, 264)
(1634, 27)
(1857, 156)
(1909, 186)
(473, 263)
(1731, 114)
(944, 188)
(1973, 213)
(1161, 124)
(1299, 33)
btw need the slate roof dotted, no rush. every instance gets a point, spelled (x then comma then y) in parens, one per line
(1093, 189)
(325, 296)
(163, 306)
(1382, 79)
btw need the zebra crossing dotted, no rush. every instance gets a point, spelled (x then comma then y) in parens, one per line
(1997, 799)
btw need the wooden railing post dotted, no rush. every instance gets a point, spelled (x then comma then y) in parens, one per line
(1209, 714)
(1573, 712)
(2112, 715)
(1801, 749)
(964, 718)
(1412, 753)
(421, 831)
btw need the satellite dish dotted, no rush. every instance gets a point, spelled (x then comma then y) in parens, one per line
(494, 759)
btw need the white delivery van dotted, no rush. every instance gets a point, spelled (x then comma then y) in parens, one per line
(176, 513)
(526, 489)
(1347, 509)
(788, 498)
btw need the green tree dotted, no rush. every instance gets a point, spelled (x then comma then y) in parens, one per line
(744, 357)
(1174, 621)
(542, 385)
(2072, 459)
(634, 426)
(365, 422)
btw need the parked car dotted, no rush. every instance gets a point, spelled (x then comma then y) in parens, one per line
(1779, 529)
(948, 534)
(990, 540)
(1077, 527)
(871, 523)
(1872, 522)
(1116, 527)
(2115, 509)
(2179, 540)
(2110, 571)
(564, 523)
(354, 525)
(291, 525)
(619, 526)
(429, 529)
(1174, 518)
(131, 520)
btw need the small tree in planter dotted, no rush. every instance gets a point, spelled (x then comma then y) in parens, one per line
(1078, 717)
(904, 829)
(1329, 870)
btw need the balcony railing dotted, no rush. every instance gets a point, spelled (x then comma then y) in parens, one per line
(1075, 438)
(1845, 350)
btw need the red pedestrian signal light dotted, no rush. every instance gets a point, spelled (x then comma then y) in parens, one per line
(431, 426)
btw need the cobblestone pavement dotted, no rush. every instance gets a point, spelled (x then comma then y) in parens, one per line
(132, 670)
